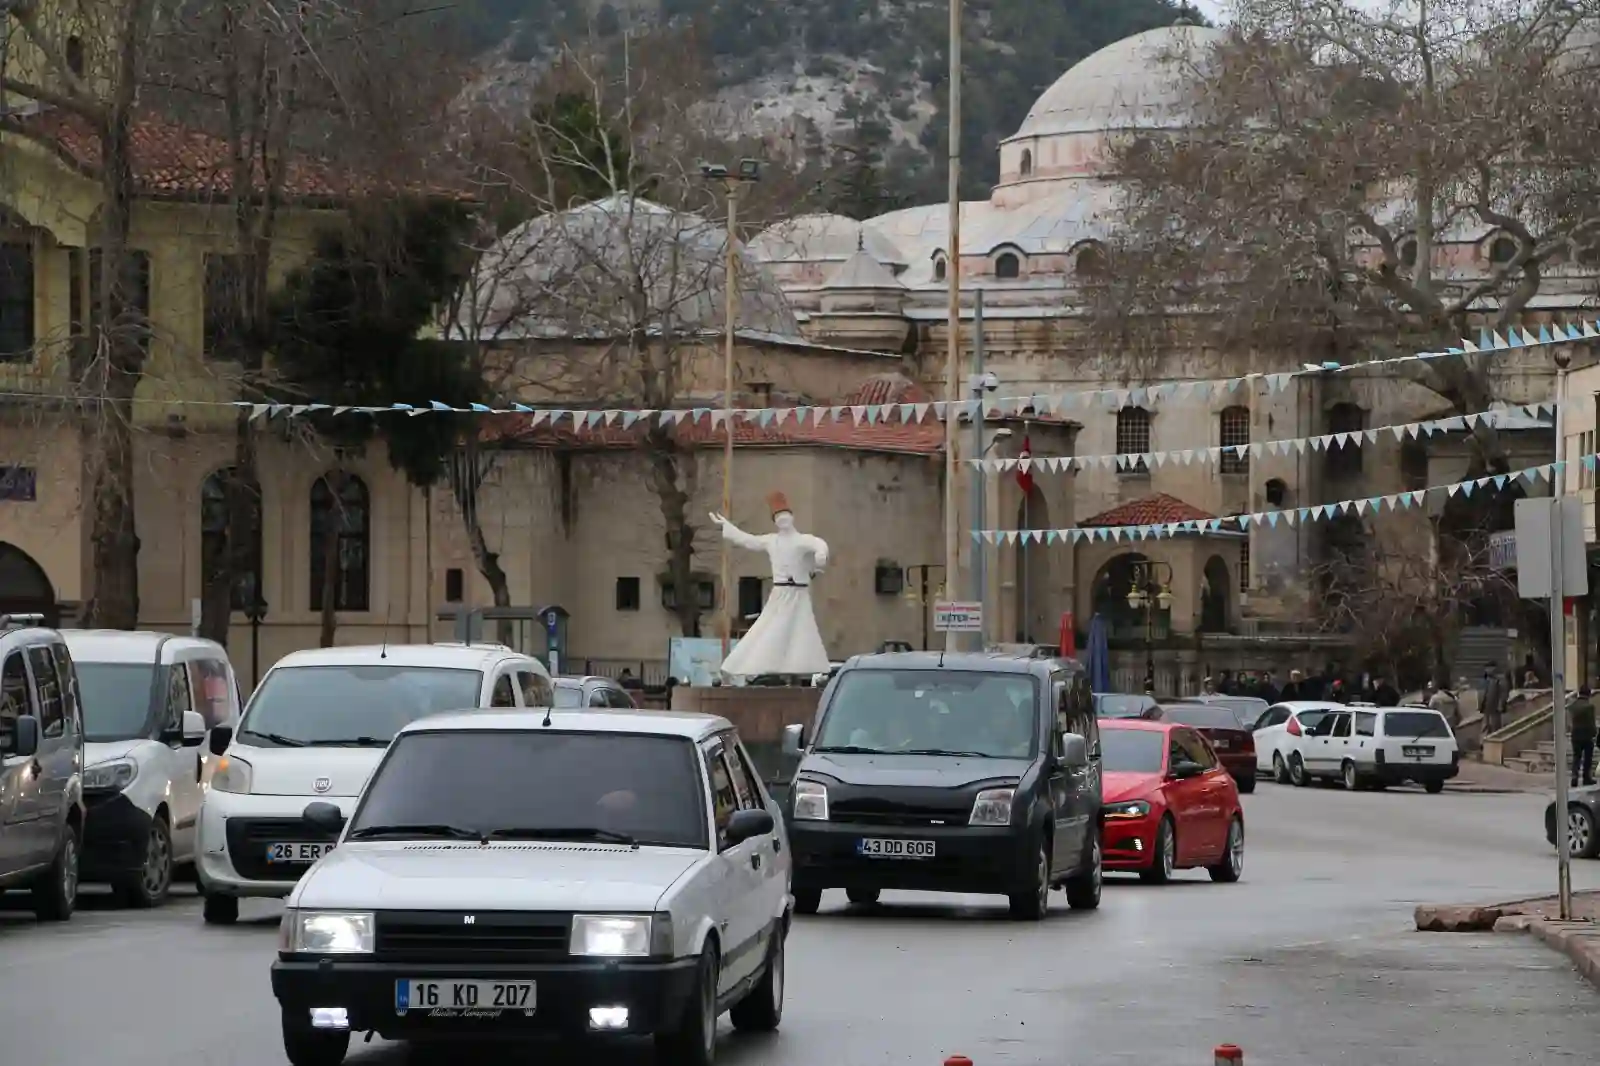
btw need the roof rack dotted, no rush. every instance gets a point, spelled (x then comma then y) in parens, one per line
(20, 621)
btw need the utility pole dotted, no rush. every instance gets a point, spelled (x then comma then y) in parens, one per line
(952, 527)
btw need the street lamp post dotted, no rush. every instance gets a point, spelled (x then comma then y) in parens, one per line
(256, 611)
(980, 510)
(1150, 590)
(749, 171)
(918, 592)
(953, 310)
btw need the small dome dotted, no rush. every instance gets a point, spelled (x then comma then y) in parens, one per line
(823, 238)
(1131, 83)
(861, 271)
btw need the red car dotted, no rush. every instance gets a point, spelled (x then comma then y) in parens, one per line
(1234, 743)
(1167, 803)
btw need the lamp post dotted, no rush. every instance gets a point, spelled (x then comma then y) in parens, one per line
(255, 609)
(748, 172)
(952, 549)
(918, 593)
(980, 510)
(1558, 649)
(1150, 590)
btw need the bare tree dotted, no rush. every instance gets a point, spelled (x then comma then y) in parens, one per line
(1352, 182)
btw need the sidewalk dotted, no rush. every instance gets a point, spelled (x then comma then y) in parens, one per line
(1483, 778)
(1578, 939)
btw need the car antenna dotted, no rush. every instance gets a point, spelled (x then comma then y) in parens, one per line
(548, 711)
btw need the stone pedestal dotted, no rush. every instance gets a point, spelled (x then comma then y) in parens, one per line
(759, 713)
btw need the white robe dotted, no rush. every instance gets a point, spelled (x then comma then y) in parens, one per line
(784, 639)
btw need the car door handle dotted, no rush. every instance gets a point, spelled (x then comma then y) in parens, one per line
(755, 861)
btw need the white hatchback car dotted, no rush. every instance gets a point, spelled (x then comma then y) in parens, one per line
(1279, 733)
(598, 871)
(314, 729)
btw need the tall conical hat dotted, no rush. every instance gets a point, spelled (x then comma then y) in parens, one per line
(779, 503)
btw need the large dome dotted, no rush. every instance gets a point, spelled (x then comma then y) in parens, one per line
(1135, 82)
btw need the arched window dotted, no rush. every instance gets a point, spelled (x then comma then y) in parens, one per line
(1133, 438)
(1502, 250)
(1091, 262)
(1277, 492)
(1344, 456)
(1408, 252)
(1234, 423)
(1027, 162)
(216, 558)
(938, 268)
(74, 50)
(341, 534)
(1007, 265)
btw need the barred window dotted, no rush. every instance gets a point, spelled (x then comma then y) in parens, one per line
(1133, 437)
(1235, 427)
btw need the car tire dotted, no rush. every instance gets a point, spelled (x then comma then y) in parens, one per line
(1032, 904)
(807, 900)
(1247, 785)
(1433, 787)
(305, 1046)
(148, 886)
(1582, 839)
(1231, 866)
(220, 910)
(694, 1041)
(761, 1011)
(1349, 776)
(863, 897)
(55, 894)
(1083, 888)
(1165, 860)
(1297, 772)
(1280, 769)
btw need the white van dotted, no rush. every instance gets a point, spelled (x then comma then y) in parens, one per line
(316, 727)
(148, 700)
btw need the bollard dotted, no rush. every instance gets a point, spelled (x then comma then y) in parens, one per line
(957, 1060)
(1229, 1055)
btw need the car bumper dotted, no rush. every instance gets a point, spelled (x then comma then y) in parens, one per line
(1398, 773)
(116, 835)
(1241, 765)
(1128, 843)
(234, 832)
(966, 858)
(656, 994)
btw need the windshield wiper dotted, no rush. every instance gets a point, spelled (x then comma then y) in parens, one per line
(582, 832)
(945, 751)
(850, 749)
(450, 832)
(277, 738)
(349, 742)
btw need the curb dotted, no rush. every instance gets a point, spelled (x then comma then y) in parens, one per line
(1579, 941)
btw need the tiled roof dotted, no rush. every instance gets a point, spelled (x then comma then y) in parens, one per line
(1151, 510)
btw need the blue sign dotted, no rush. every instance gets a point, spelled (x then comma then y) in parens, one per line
(551, 620)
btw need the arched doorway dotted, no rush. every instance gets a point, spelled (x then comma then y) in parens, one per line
(1109, 598)
(1215, 596)
(1033, 573)
(24, 586)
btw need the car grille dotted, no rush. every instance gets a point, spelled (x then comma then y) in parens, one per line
(247, 846)
(449, 937)
(866, 810)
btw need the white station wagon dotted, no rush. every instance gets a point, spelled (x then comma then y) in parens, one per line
(560, 871)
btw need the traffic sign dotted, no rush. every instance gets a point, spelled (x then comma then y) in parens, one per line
(958, 616)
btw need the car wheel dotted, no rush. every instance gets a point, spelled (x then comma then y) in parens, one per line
(864, 897)
(1583, 842)
(1247, 785)
(1280, 769)
(1434, 786)
(1165, 859)
(1351, 779)
(1231, 867)
(55, 895)
(220, 910)
(1083, 889)
(1297, 771)
(807, 900)
(306, 1046)
(694, 1041)
(762, 1009)
(1033, 904)
(148, 886)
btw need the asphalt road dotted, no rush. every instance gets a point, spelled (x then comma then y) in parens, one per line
(1308, 961)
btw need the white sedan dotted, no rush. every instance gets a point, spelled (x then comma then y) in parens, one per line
(1279, 733)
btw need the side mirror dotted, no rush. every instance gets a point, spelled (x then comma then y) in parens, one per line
(325, 817)
(194, 729)
(794, 740)
(1074, 751)
(21, 738)
(745, 825)
(221, 737)
(1186, 769)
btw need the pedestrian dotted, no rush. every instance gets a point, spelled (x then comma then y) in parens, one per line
(1210, 687)
(1336, 693)
(1384, 694)
(1580, 720)
(1293, 689)
(1444, 701)
(1530, 672)
(1269, 688)
(1225, 683)
(1494, 699)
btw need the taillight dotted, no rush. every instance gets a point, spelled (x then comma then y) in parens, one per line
(1294, 727)
(1249, 743)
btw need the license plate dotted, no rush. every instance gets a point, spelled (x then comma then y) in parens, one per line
(297, 853)
(1417, 751)
(464, 999)
(1222, 745)
(895, 849)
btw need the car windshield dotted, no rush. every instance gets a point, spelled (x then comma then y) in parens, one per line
(1120, 705)
(568, 697)
(1200, 715)
(353, 705)
(540, 785)
(1416, 724)
(938, 712)
(115, 698)
(1132, 751)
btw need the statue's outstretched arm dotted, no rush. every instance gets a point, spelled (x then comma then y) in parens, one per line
(738, 536)
(819, 551)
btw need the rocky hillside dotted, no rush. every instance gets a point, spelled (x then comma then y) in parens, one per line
(870, 71)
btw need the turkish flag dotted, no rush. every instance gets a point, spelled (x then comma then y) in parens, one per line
(1024, 475)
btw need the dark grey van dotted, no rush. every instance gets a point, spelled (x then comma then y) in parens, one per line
(949, 773)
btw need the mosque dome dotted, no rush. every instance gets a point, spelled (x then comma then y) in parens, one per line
(823, 238)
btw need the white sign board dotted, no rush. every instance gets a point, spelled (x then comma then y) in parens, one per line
(958, 616)
(1536, 549)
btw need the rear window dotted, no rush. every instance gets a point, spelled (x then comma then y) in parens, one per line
(1121, 705)
(1203, 716)
(1416, 724)
(1309, 719)
(568, 697)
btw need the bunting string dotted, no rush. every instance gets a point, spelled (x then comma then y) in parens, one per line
(1293, 516)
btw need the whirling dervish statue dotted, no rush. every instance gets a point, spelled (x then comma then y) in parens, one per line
(784, 639)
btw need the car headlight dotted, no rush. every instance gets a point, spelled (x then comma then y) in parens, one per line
(810, 801)
(231, 775)
(992, 807)
(326, 932)
(611, 936)
(1131, 809)
(113, 776)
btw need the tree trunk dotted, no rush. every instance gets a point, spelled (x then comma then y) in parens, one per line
(113, 536)
(464, 485)
(666, 481)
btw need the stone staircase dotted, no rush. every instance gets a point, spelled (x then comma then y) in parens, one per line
(1539, 759)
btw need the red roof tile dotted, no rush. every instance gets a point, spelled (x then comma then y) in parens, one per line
(1157, 509)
